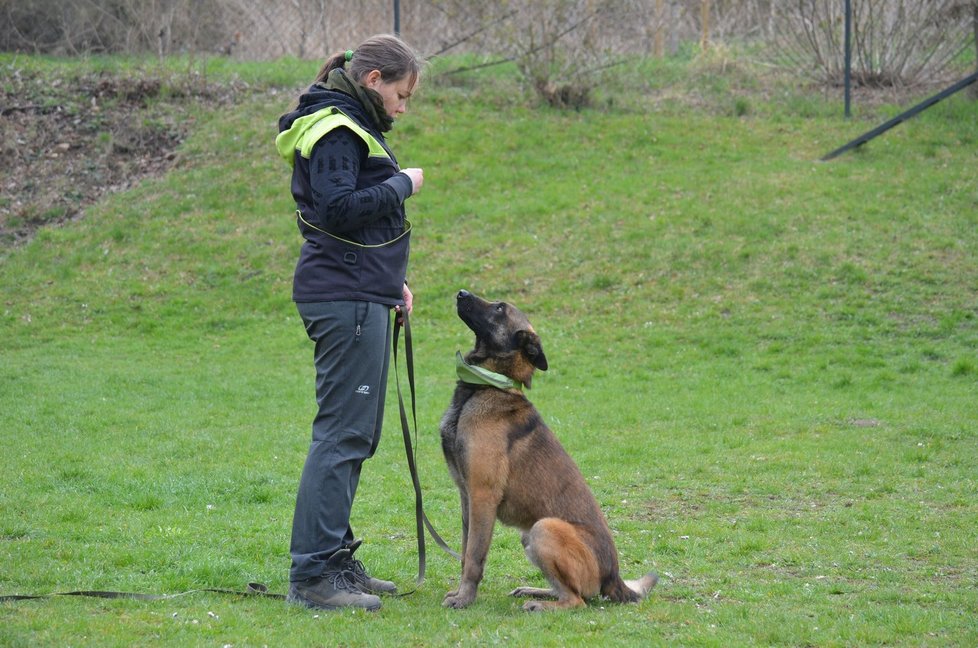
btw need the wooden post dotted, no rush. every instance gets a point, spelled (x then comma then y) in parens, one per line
(660, 37)
(705, 23)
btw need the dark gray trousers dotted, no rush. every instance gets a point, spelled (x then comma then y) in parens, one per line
(352, 352)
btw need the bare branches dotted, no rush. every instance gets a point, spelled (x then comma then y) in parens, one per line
(112, 26)
(896, 43)
(554, 43)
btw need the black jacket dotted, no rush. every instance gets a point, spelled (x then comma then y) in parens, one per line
(349, 196)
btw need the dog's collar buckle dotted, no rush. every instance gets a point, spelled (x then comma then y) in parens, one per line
(475, 375)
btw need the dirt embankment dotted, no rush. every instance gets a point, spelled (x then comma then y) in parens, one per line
(66, 142)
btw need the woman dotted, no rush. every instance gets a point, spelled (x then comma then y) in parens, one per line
(349, 194)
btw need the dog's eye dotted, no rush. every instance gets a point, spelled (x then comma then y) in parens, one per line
(500, 308)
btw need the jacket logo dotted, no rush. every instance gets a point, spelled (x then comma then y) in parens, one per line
(363, 390)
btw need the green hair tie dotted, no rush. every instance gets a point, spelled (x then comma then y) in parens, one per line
(348, 55)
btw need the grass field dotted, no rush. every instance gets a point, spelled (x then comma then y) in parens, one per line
(765, 366)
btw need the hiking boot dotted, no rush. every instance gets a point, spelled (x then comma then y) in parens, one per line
(335, 589)
(362, 579)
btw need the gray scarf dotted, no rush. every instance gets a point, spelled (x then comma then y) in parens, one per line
(372, 102)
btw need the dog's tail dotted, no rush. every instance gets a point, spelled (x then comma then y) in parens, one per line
(631, 591)
(642, 586)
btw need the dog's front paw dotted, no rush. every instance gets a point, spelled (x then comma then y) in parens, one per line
(535, 592)
(456, 601)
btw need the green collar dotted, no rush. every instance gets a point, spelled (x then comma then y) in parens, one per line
(475, 375)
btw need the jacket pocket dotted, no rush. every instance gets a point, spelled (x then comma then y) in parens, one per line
(376, 271)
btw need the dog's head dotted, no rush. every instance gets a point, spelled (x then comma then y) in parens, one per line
(505, 342)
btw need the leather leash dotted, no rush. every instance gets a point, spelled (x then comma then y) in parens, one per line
(258, 589)
(402, 321)
(253, 589)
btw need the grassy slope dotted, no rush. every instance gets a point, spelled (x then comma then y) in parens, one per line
(765, 366)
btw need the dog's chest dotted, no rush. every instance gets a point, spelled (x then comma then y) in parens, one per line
(470, 408)
(472, 424)
(452, 441)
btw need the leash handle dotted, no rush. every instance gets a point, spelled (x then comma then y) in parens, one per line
(402, 321)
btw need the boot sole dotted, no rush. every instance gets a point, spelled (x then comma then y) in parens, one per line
(312, 605)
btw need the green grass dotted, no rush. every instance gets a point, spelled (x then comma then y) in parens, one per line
(764, 365)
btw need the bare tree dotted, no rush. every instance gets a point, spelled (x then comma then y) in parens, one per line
(895, 42)
(110, 26)
(559, 47)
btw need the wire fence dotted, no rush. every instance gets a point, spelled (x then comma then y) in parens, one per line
(896, 41)
(316, 28)
(312, 29)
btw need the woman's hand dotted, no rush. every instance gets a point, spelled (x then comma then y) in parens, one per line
(408, 303)
(417, 178)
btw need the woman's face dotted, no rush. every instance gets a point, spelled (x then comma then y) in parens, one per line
(394, 93)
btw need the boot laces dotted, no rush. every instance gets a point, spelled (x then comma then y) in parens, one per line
(340, 579)
(356, 569)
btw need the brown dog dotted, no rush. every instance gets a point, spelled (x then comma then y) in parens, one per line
(508, 464)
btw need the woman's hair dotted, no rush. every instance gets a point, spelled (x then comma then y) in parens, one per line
(387, 53)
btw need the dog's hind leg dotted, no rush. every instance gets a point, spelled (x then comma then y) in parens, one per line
(556, 548)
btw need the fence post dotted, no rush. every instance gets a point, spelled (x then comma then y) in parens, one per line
(705, 20)
(660, 46)
(974, 89)
(397, 18)
(848, 73)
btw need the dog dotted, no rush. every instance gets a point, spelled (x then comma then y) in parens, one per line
(509, 465)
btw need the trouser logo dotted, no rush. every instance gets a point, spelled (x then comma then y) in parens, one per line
(363, 390)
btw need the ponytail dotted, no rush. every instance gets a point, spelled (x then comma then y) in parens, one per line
(384, 52)
(337, 60)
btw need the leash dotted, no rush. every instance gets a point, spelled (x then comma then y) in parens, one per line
(402, 321)
(253, 589)
(260, 590)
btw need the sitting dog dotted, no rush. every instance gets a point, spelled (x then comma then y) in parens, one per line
(508, 464)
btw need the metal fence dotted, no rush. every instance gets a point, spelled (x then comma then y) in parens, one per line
(312, 29)
(897, 41)
(315, 28)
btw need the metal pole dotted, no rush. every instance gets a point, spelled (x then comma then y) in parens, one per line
(848, 81)
(397, 17)
(902, 117)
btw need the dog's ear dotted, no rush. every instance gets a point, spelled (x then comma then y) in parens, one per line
(530, 344)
